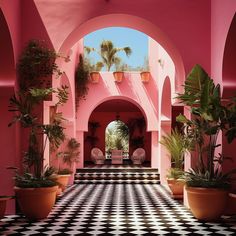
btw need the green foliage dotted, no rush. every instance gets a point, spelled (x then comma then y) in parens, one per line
(81, 80)
(209, 116)
(198, 178)
(108, 53)
(71, 152)
(117, 137)
(177, 145)
(28, 180)
(93, 67)
(175, 173)
(36, 62)
(24, 107)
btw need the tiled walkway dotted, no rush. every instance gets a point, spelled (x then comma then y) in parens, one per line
(116, 209)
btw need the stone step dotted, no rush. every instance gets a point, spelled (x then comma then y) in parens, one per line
(115, 170)
(111, 181)
(117, 175)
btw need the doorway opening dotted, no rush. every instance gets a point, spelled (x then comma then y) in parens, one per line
(117, 137)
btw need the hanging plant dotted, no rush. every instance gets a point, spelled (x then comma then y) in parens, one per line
(81, 80)
(36, 65)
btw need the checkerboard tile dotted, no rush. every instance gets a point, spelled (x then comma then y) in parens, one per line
(116, 209)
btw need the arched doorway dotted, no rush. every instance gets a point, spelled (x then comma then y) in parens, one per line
(117, 137)
(10, 136)
(128, 114)
(229, 88)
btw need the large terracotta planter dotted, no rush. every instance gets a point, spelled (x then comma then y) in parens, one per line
(94, 77)
(207, 204)
(145, 76)
(118, 76)
(177, 187)
(36, 203)
(231, 205)
(3, 204)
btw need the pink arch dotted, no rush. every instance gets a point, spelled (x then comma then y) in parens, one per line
(166, 100)
(228, 72)
(121, 98)
(7, 72)
(124, 20)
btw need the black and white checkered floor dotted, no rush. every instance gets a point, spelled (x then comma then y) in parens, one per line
(116, 209)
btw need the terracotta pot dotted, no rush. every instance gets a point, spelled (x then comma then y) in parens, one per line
(118, 75)
(3, 204)
(94, 77)
(145, 76)
(177, 187)
(36, 203)
(231, 205)
(62, 181)
(207, 204)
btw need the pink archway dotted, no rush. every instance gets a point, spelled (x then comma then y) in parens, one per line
(135, 103)
(229, 87)
(165, 128)
(7, 72)
(134, 22)
(166, 100)
(10, 136)
(229, 72)
(106, 112)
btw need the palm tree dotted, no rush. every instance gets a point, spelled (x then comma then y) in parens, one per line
(108, 53)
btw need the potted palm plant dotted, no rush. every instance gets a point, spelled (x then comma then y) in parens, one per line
(81, 80)
(34, 183)
(35, 191)
(108, 54)
(206, 185)
(145, 73)
(69, 156)
(119, 71)
(177, 145)
(94, 71)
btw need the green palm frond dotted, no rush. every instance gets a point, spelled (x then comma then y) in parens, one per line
(108, 53)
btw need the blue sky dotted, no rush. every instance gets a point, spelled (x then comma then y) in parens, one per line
(121, 37)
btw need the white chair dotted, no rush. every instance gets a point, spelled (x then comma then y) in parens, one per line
(116, 157)
(138, 156)
(97, 156)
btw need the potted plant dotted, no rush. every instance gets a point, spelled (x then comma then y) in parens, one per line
(69, 156)
(94, 71)
(3, 204)
(36, 65)
(32, 182)
(119, 72)
(145, 73)
(81, 80)
(206, 185)
(108, 54)
(177, 145)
